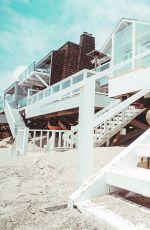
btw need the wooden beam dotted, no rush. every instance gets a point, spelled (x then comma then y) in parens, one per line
(116, 139)
(139, 125)
(59, 114)
(129, 136)
(62, 126)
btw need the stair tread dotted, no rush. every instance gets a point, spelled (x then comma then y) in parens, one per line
(136, 173)
(116, 213)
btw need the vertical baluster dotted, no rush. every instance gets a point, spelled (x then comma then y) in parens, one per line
(68, 139)
(41, 136)
(59, 140)
(34, 135)
(47, 141)
(64, 140)
(71, 138)
(52, 140)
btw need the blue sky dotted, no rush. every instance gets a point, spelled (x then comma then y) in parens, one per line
(29, 29)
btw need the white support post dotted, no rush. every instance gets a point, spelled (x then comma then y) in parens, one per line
(65, 140)
(112, 51)
(71, 139)
(25, 140)
(59, 140)
(34, 135)
(85, 139)
(133, 45)
(41, 139)
(52, 141)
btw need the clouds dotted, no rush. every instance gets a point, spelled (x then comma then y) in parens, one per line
(10, 76)
(30, 28)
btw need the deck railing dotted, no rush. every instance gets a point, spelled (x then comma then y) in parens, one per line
(64, 84)
(22, 102)
(49, 140)
(27, 72)
(10, 98)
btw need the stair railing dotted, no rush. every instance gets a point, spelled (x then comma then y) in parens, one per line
(10, 118)
(49, 140)
(120, 107)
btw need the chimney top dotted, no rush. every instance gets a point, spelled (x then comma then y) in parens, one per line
(86, 33)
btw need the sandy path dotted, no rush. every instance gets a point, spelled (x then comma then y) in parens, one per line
(34, 190)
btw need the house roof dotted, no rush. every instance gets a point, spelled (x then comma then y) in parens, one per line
(124, 22)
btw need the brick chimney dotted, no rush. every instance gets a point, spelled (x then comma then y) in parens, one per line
(87, 44)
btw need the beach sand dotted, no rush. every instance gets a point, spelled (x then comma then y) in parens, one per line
(34, 189)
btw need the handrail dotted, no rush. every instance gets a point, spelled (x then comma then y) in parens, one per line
(10, 117)
(105, 109)
(79, 76)
(48, 130)
(120, 107)
(10, 98)
(122, 64)
(30, 68)
(99, 113)
(7, 106)
(95, 77)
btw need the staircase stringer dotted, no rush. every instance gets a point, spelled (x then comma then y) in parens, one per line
(96, 185)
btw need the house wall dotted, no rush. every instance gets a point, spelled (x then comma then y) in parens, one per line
(57, 66)
(130, 82)
(71, 58)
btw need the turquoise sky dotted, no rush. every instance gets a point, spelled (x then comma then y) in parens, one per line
(29, 29)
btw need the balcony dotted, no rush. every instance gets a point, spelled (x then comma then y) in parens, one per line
(34, 75)
(22, 102)
(1, 106)
(10, 98)
(62, 85)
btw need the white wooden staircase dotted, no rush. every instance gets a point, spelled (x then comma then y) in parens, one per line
(18, 128)
(123, 172)
(114, 119)
(14, 118)
(111, 119)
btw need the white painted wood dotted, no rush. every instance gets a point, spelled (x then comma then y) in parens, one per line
(136, 180)
(96, 185)
(133, 45)
(85, 141)
(43, 82)
(68, 103)
(143, 150)
(130, 82)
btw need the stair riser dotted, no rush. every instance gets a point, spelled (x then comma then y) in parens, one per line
(127, 183)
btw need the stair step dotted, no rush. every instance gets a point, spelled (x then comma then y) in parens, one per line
(143, 150)
(115, 213)
(133, 179)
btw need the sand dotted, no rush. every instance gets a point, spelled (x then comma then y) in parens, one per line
(34, 189)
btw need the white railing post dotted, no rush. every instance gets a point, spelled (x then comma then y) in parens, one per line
(85, 140)
(25, 141)
(52, 140)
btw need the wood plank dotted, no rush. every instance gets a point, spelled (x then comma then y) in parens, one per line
(129, 136)
(139, 125)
